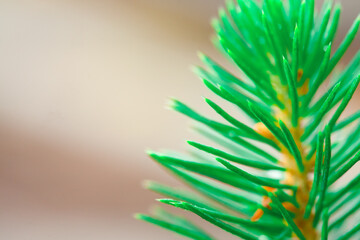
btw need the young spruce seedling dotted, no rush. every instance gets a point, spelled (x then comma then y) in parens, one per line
(275, 176)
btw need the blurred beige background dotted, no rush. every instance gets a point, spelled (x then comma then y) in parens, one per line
(82, 94)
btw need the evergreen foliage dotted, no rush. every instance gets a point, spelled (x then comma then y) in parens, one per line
(275, 176)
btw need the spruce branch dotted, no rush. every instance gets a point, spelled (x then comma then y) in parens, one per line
(272, 177)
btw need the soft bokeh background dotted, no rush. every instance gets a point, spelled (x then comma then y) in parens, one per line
(82, 90)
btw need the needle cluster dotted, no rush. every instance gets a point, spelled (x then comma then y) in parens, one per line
(274, 173)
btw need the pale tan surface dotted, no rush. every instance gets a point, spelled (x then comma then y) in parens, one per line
(82, 90)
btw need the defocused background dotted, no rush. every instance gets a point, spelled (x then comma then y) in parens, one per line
(82, 90)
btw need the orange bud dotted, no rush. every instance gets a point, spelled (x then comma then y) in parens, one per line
(257, 215)
(269, 189)
(300, 73)
(266, 202)
(289, 206)
(263, 130)
(304, 89)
